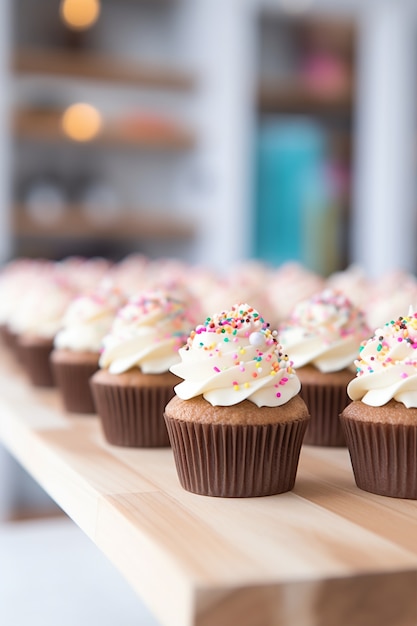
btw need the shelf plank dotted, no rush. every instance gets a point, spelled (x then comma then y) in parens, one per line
(128, 225)
(325, 553)
(144, 133)
(96, 67)
(298, 97)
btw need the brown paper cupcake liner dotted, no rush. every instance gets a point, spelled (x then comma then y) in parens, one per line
(11, 341)
(132, 416)
(7, 337)
(35, 361)
(236, 461)
(383, 456)
(325, 403)
(73, 382)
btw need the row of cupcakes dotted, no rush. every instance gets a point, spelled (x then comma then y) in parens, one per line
(147, 338)
(275, 291)
(236, 408)
(321, 335)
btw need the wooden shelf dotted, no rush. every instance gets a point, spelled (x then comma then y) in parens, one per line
(326, 553)
(75, 224)
(73, 64)
(143, 132)
(297, 97)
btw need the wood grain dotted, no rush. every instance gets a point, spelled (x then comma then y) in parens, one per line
(324, 554)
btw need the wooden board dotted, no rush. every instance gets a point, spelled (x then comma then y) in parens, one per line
(326, 554)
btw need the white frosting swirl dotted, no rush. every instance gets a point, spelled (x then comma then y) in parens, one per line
(234, 357)
(147, 332)
(387, 365)
(324, 331)
(88, 319)
(42, 307)
(15, 280)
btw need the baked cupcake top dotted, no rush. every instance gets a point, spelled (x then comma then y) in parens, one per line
(147, 333)
(88, 319)
(324, 331)
(234, 356)
(387, 365)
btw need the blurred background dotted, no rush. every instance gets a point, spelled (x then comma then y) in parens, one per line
(211, 131)
(275, 129)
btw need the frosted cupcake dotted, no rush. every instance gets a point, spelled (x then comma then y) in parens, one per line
(37, 319)
(390, 297)
(322, 337)
(353, 282)
(290, 284)
(380, 423)
(134, 383)
(78, 344)
(16, 279)
(237, 422)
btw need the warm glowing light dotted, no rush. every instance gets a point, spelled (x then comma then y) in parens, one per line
(80, 14)
(81, 122)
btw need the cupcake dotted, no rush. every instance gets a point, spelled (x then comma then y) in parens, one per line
(36, 321)
(236, 422)
(402, 289)
(86, 273)
(380, 423)
(353, 282)
(77, 345)
(290, 284)
(16, 279)
(322, 336)
(134, 383)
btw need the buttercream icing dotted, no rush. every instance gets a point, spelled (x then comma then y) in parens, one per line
(234, 356)
(88, 319)
(42, 306)
(387, 365)
(325, 331)
(147, 333)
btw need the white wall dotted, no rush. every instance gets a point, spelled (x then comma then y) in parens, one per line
(5, 243)
(220, 38)
(384, 224)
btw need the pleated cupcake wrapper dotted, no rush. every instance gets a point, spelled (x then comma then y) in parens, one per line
(35, 361)
(236, 461)
(132, 416)
(73, 382)
(325, 403)
(383, 456)
(7, 337)
(11, 341)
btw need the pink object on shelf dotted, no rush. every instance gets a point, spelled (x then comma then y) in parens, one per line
(325, 71)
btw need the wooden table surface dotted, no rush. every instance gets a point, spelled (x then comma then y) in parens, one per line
(325, 554)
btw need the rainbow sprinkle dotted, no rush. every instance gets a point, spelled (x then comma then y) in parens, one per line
(391, 345)
(243, 322)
